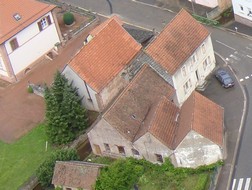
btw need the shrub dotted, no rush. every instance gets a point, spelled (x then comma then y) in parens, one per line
(29, 89)
(68, 18)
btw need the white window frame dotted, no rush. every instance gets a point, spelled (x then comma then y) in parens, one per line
(203, 48)
(183, 71)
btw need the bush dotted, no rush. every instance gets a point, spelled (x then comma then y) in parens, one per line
(29, 89)
(45, 170)
(68, 18)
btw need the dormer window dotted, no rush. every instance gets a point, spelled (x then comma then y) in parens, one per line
(17, 17)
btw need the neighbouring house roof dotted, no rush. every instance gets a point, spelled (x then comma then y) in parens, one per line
(28, 10)
(202, 115)
(141, 36)
(164, 122)
(132, 107)
(104, 24)
(105, 55)
(177, 42)
(75, 174)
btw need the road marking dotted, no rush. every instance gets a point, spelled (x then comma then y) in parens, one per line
(240, 184)
(247, 184)
(249, 56)
(251, 75)
(234, 181)
(247, 77)
(248, 48)
(234, 57)
(241, 80)
(225, 45)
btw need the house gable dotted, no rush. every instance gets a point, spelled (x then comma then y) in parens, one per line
(178, 40)
(10, 26)
(196, 150)
(105, 56)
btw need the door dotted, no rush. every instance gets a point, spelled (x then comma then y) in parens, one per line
(97, 149)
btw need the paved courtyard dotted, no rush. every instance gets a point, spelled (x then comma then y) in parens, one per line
(21, 111)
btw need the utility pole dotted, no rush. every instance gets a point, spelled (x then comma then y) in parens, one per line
(193, 1)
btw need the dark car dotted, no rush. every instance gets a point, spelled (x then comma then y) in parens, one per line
(224, 78)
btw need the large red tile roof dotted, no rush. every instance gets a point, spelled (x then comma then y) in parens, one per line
(202, 115)
(130, 112)
(177, 42)
(29, 10)
(105, 55)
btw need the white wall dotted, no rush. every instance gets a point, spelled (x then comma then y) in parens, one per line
(2, 67)
(207, 3)
(246, 4)
(191, 67)
(196, 150)
(32, 44)
(82, 89)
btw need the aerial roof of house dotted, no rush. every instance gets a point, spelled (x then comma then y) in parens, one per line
(105, 56)
(18, 14)
(75, 174)
(202, 115)
(146, 105)
(131, 109)
(177, 42)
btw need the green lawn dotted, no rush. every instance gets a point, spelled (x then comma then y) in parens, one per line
(19, 161)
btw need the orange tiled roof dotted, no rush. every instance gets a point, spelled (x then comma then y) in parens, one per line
(203, 116)
(132, 107)
(176, 43)
(29, 10)
(105, 55)
(164, 122)
(75, 174)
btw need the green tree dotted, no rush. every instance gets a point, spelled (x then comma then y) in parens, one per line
(45, 170)
(65, 117)
(120, 175)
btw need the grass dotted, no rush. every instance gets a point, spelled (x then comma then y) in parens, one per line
(18, 161)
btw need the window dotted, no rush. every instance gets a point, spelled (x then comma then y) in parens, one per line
(107, 148)
(241, 7)
(14, 44)
(205, 64)
(187, 85)
(1, 63)
(194, 58)
(135, 152)
(183, 71)
(121, 150)
(203, 48)
(44, 22)
(159, 158)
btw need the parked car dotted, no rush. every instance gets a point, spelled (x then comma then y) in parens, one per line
(224, 78)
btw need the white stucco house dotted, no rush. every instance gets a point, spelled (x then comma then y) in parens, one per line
(28, 30)
(184, 53)
(144, 122)
(243, 11)
(99, 69)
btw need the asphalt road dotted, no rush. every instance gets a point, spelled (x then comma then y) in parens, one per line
(235, 49)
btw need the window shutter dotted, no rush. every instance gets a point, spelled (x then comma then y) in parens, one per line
(40, 26)
(14, 44)
(49, 20)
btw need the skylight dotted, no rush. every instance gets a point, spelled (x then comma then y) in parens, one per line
(17, 16)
